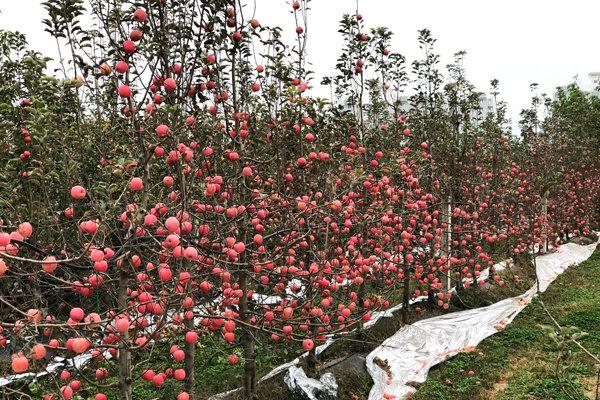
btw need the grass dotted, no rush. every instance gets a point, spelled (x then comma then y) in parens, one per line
(519, 364)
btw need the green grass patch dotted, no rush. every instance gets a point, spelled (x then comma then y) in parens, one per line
(520, 363)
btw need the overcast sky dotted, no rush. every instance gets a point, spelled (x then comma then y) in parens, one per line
(516, 41)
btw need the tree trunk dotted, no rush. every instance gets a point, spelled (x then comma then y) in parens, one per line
(190, 355)
(447, 243)
(406, 295)
(247, 343)
(311, 364)
(545, 219)
(360, 327)
(125, 380)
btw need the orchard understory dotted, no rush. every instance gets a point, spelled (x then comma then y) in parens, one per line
(173, 194)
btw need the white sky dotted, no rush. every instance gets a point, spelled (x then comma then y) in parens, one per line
(516, 41)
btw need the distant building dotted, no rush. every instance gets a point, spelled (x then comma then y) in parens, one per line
(591, 87)
(487, 104)
(594, 79)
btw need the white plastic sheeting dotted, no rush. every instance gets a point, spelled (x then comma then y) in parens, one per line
(323, 389)
(56, 365)
(408, 355)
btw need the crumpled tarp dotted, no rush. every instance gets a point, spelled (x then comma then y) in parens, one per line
(311, 389)
(408, 355)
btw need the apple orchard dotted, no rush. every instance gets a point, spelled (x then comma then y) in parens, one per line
(175, 182)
